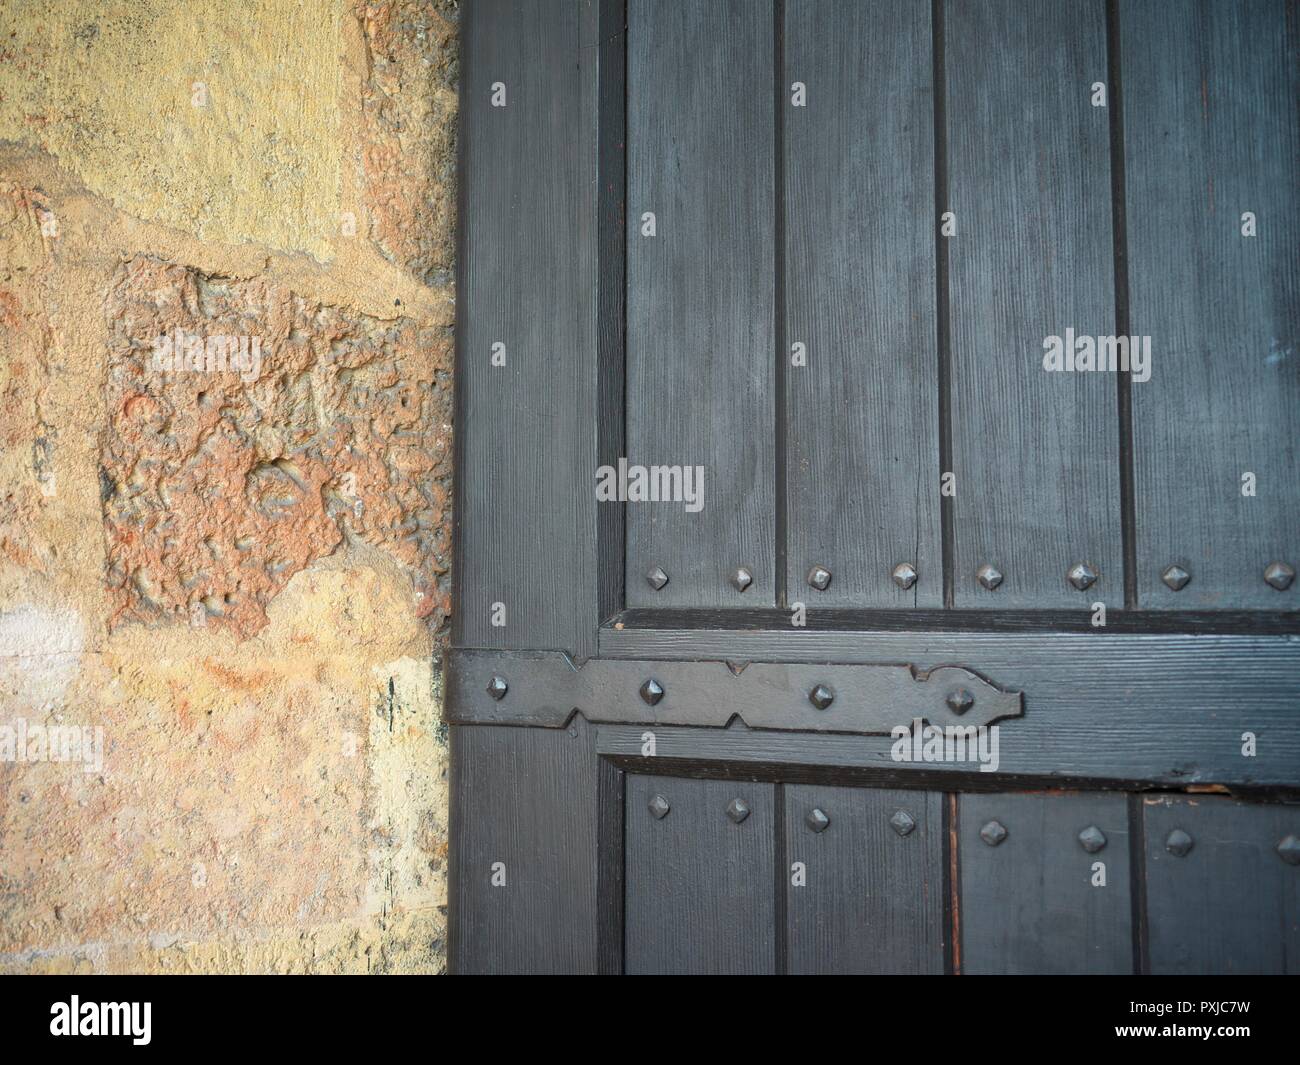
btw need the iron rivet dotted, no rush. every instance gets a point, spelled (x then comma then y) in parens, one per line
(960, 701)
(1082, 576)
(1279, 575)
(819, 577)
(656, 578)
(821, 697)
(817, 820)
(741, 578)
(652, 691)
(1176, 578)
(1092, 839)
(1178, 843)
(659, 807)
(989, 576)
(993, 833)
(904, 575)
(1289, 850)
(738, 810)
(902, 822)
(497, 688)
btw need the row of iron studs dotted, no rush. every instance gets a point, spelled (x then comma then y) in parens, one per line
(959, 700)
(1082, 575)
(1178, 843)
(1091, 839)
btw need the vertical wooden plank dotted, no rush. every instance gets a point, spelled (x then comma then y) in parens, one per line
(1211, 132)
(872, 898)
(611, 286)
(699, 885)
(700, 347)
(1229, 904)
(609, 873)
(863, 466)
(1035, 452)
(526, 517)
(525, 798)
(1029, 904)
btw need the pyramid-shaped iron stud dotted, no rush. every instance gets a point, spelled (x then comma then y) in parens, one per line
(1082, 576)
(819, 577)
(651, 692)
(960, 701)
(902, 822)
(993, 833)
(904, 575)
(1092, 839)
(1279, 575)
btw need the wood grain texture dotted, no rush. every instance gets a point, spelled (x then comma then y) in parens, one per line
(1231, 904)
(1212, 130)
(1166, 709)
(862, 415)
(1029, 905)
(611, 285)
(1134, 622)
(700, 315)
(526, 432)
(873, 900)
(526, 798)
(699, 886)
(609, 875)
(1035, 453)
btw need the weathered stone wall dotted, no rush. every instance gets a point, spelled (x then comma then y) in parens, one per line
(233, 569)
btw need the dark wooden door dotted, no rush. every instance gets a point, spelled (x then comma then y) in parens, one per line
(879, 487)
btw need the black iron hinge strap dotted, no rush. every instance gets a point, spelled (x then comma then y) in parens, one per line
(546, 688)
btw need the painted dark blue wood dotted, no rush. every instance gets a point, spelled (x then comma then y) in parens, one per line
(862, 466)
(524, 808)
(1035, 902)
(1154, 709)
(1230, 904)
(699, 885)
(1211, 133)
(700, 314)
(872, 898)
(526, 465)
(777, 224)
(1035, 452)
